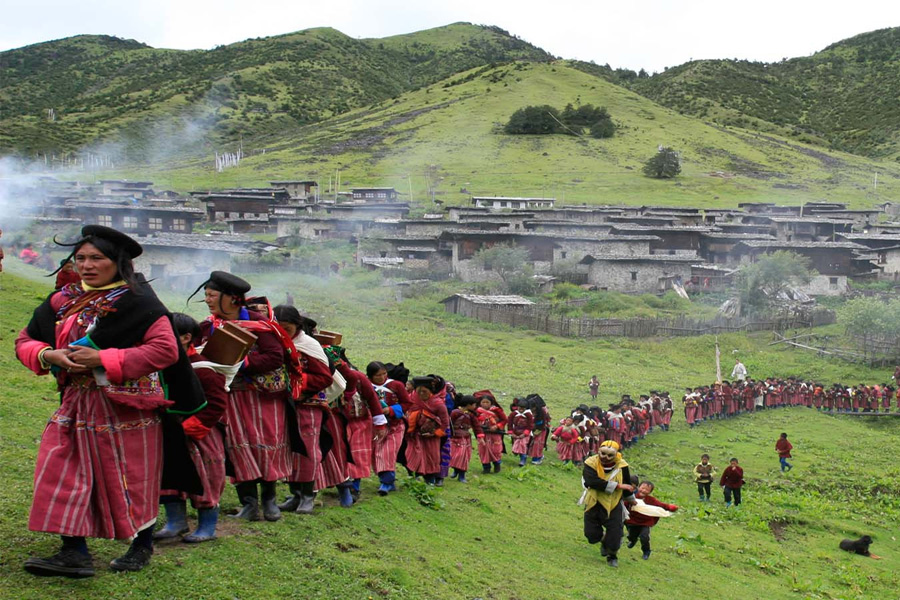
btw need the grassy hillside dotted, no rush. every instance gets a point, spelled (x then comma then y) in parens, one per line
(516, 534)
(843, 97)
(448, 137)
(105, 89)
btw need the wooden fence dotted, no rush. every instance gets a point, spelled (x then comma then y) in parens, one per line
(540, 318)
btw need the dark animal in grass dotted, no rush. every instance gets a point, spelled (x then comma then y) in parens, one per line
(860, 546)
(552, 361)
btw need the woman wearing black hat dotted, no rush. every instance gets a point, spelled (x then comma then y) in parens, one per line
(100, 462)
(261, 426)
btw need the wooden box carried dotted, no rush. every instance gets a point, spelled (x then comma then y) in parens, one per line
(228, 345)
(328, 338)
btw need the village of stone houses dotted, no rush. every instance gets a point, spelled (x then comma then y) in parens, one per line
(626, 249)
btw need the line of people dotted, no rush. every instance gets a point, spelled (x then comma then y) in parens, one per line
(582, 432)
(146, 419)
(721, 400)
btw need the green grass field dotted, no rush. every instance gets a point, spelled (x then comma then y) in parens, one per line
(517, 534)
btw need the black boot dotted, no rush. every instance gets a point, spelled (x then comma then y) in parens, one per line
(138, 555)
(73, 560)
(270, 509)
(486, 468)
(247, 494)
(291, 503)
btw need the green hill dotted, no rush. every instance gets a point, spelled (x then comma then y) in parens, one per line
(844, 96)
(516, 534)
(107, 89)
(448, 138)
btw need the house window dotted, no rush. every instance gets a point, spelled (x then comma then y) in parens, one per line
(130, 222)
(383, 254)
(179, 224)
(382, 195)
(105, 220)
(155, 223)
(563, 254)
(833, 281)
(370, 195)
(634, 275)
(882, 258)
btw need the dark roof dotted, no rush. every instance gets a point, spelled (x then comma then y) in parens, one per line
(130, 206)
(672, 258)
(812, 245)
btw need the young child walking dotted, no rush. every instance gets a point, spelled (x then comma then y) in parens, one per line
(732, 481)
(704, 473)
(638, 523)
(464, 422)
(783, 447)
(567, 438)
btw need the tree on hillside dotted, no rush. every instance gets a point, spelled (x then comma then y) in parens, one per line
(510, 263)
(865, 317)
(761, 283)
(535, 120)
(665, 164)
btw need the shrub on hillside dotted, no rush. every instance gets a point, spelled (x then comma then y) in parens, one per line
(665, 164)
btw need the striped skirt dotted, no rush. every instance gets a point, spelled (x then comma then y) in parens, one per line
(520, 444)
(423, 455)
(208, 456)
(99, 468)
(256, 437)
(303, 467)
(360, 433)
(386, 449)
(333, 468)
(460, 452)
(536, 450)
(490, 448)
(564, 450)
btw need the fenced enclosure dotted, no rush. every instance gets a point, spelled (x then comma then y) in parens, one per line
(539, 317)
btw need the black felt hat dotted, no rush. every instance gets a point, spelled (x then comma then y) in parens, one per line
(131, 247)
(227, 283)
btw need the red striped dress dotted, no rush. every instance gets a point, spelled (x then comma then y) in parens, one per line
(99, 465)
(385, 450)
(490, 447)
(360, 408)
(464, 424)
(520, 424)
(423, 453)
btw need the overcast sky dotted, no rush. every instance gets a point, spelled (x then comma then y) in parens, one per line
(651, 34)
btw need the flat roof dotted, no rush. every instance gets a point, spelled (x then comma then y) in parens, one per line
(477, 299)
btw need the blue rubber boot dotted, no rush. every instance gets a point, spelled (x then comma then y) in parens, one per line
(387, 479)
(345, 495)
(462, 477)
(206, 526)
(176, 521)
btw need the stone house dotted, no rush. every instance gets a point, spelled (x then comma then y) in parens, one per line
(646, 274)
(511, 202)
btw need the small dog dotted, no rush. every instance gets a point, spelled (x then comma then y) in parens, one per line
(860, 546)
(552, 361)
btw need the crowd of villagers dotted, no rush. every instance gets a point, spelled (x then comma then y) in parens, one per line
(146, 420)
(731, 398)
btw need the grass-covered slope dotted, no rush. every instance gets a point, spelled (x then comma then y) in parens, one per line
(448, 137)
(516, 534)
(844, 97)
(107, 89)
